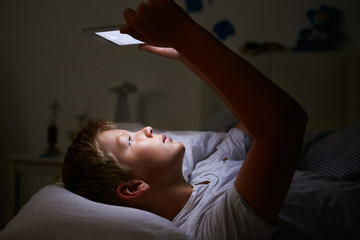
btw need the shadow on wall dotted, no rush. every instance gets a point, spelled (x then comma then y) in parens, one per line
(10, 117)
(150, 108)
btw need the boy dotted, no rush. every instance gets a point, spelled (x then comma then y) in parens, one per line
(228, 202)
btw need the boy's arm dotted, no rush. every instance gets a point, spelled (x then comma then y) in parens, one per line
(273, 119)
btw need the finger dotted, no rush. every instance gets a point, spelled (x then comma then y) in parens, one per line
(151, 49)
(146, 47)
(125, 29)
(141, 6)
(164, 52)
(129, 15)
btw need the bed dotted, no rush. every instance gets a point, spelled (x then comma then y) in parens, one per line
(323, 200)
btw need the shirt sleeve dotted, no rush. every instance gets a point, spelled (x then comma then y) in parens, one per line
(232, 218)
(235, 144)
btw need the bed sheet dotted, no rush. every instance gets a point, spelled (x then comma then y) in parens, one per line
(324, 198)
(320, 207)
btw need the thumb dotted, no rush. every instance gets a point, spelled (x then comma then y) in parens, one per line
(147, 47)
(151, 48)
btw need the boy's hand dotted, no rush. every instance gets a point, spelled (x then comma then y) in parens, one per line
(157, 22)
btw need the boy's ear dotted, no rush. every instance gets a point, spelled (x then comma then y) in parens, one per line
(132, 189)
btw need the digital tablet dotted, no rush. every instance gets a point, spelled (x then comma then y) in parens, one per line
(110, 34)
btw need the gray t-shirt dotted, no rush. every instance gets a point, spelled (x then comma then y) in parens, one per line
(215, 209)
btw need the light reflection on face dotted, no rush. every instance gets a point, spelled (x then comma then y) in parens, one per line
(149, 155)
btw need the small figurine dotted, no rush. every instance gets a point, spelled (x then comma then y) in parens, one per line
(122, 108)
(52, 150)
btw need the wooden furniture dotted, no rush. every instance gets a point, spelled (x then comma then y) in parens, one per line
(27, 174)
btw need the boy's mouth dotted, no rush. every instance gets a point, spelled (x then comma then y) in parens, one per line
(166, 138)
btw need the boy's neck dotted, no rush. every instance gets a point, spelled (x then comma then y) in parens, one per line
(168, 202)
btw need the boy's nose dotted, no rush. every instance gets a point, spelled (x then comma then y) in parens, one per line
(149, 131)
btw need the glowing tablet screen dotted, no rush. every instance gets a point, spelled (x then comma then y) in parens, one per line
(118, 38)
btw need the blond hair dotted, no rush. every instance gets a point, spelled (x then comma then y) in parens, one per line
(90, 171)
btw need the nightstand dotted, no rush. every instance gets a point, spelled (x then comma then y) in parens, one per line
(27, 175)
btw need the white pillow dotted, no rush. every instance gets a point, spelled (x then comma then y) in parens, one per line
(56, 213)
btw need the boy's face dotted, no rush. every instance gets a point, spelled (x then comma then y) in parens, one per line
(149, 155)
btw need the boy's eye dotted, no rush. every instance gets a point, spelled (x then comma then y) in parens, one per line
(130, 141)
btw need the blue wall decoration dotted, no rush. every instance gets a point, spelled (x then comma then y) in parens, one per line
(222, 28)
(193, 6)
